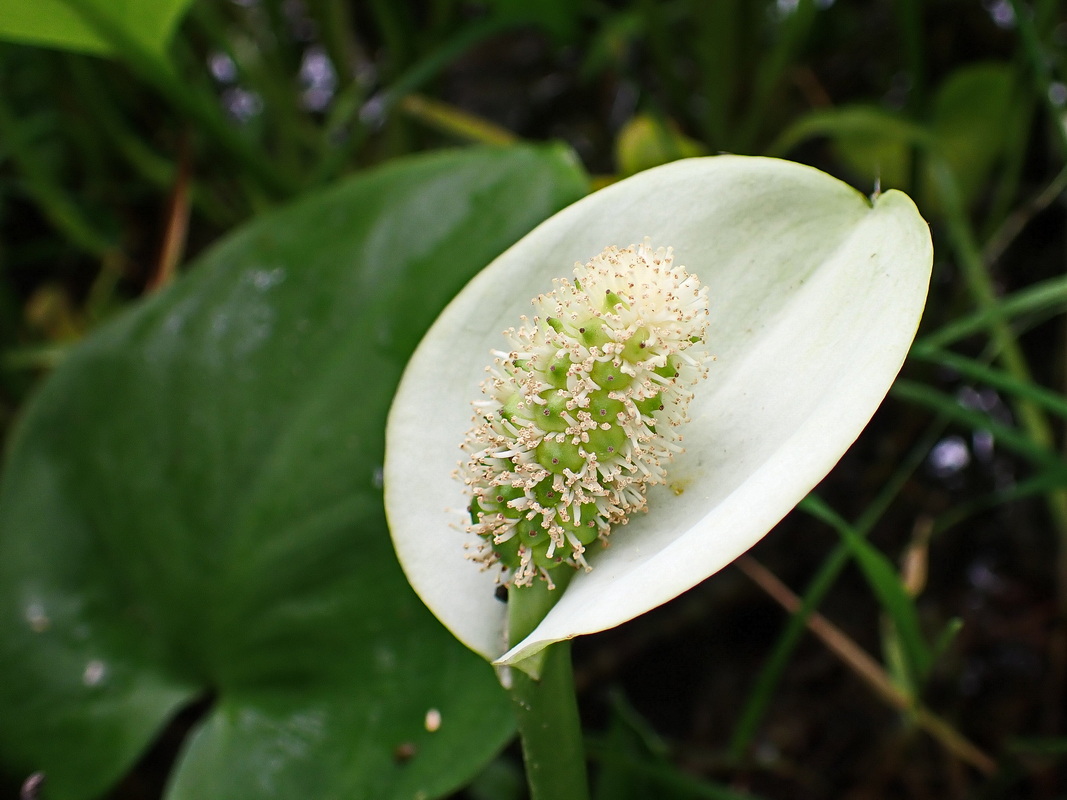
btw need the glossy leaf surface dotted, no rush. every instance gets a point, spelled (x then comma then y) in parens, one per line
(191, 508)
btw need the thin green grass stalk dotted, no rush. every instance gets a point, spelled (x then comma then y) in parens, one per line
(759, 698)
(1040, 70)
(100, 104)
(910, 24)
(1007, 189)
(1012, 224)
(291, 131)
(871, 672)
(1041, 73)
(546, 708)
(635, 758)
(455, 122)
(335, 157)
(1009, 353)
(268, 72)
(335, 25)
(885, 582)
(772, 67)
(101, 298)
(1010, 438)
(131, 146)
(1039, 745)
(1049, 296)
(998, 379)
(1042, 483)
(980, 285)
(664, 51)
(770, 675)
(34, 357)
(717, 26)
(209, 21)
(396, 32)
(199, 106)
(53, 200)
(91, 153)
(397, 137)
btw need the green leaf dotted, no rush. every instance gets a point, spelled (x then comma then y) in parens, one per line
(75, 24)
(558, 17)
(888, 588)
(879, 153)
(971, 121)
(1038, 301)
(872, 142)
(645, 142)
(190, 508)
(973, 114)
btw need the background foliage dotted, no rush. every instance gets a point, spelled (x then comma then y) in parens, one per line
(195, 580)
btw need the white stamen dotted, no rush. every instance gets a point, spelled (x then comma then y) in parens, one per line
(549, 427)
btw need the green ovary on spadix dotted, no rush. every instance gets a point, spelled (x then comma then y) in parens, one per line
(581, 414)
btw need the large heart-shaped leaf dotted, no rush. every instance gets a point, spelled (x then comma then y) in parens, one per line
(191, 508)
(88, 25)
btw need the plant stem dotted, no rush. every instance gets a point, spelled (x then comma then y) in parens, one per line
(770, 674)
(869, 670)
(1009, 353)
(57, 205)
(1040, 69)
(155, 69)
(455, 122)
(792, 32)
(376, 111)
(546, 708)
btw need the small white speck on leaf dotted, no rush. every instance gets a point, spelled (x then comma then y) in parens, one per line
(94, 673)
(37, 618)
(433, 720)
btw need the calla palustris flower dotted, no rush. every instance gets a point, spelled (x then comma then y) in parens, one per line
(814, 292)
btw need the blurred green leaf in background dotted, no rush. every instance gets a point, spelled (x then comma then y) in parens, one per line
(191, 508)
(76, 24)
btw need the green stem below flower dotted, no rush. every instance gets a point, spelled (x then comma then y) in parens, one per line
(546, 708)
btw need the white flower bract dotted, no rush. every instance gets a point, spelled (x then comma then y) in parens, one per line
(583, 410)
(815, 295)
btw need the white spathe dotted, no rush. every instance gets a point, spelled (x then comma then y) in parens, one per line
(815, 299)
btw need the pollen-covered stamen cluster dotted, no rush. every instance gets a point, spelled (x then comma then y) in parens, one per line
(581, 413)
